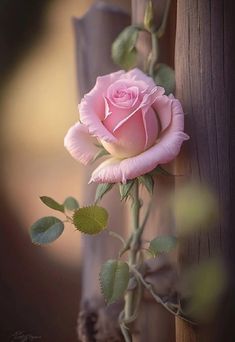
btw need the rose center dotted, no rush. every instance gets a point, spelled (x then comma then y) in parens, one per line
(123, 95)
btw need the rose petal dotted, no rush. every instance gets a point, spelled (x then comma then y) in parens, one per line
(92, 106)
(151, 127)
(123, 93)
(114, 116)
(147, 101)
(80, 144)
(162, 152)
(131, 138)
(107, 171)
(130, 168)
(162, 106)
(137, 74)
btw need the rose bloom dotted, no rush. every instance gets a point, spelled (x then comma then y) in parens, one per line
(134, 121)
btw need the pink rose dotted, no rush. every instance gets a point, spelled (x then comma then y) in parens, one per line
(134, 121)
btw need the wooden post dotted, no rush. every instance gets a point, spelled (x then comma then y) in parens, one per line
(203, 62)
(94, 34)
(155, 323)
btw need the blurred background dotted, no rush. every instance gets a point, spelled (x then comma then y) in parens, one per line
(39, 286)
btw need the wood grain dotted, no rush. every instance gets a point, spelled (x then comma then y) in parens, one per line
(203, 62)
(155, 322)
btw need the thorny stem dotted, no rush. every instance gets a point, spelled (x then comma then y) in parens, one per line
(123, 320)
(68, 219)
(126, 247)
(132, 298)
(118, 237)
(155, 35)
(157, 298)
(127, 244)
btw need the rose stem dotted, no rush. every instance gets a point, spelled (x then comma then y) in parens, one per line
(134, 248)
(155, 35)
(154, 53)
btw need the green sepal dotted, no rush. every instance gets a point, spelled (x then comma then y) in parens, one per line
(123, 48)
(51, 203)
(90, 220)
(165, 76)
(114, 278)
(162, 244)
(159, 170)
(46, 230)
(102, 189)
(125, 189)
(102, 152)
(71, 204)
(148, 181)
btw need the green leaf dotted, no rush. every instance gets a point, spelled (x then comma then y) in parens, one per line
(114, 278)
(46, 230)
(71, 204)
(102, 189)
(148, 182)
(149, 17)
(125, 189)
(51, 203)
(123, 48)
(90, 220)
(165, 76)
(162, 244)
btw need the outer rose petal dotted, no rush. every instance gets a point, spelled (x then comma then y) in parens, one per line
(162, 152)
(137, 74)
(145, 104)
(80, 144)
(162, 105)
(92, 106)
(107, 171)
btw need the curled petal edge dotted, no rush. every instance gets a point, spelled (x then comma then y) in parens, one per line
(116, 170)
(92, 108)
(80, 144)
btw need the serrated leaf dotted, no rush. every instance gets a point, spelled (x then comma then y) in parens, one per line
(90, 220)
(71, 203)
(114, 278)
(123, 48)
(51, 203)
(125, 189)
(162, 244)
(148, 182)
(165, 76)
(102, 189)
(46, 230)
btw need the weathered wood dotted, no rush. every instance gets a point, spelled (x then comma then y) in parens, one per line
(203, 63)
(93, 51)
(94, 35)
(161, 326)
